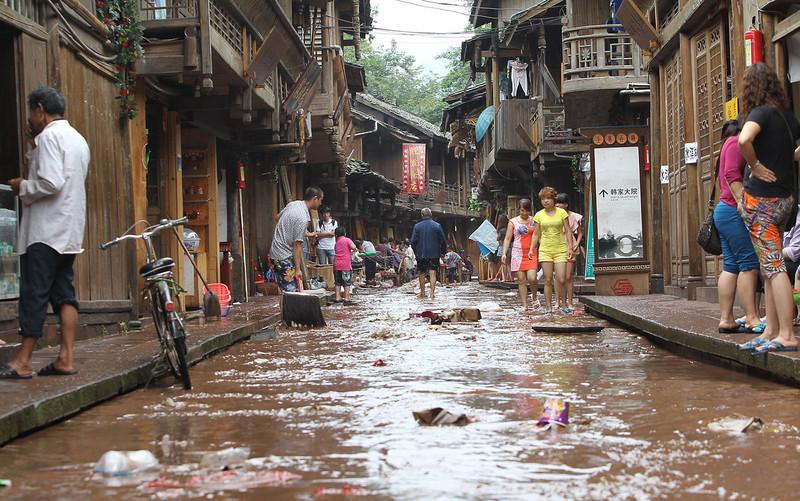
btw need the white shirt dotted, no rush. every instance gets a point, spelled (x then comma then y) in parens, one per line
(54, 195)
(327, 243)
(412, 259)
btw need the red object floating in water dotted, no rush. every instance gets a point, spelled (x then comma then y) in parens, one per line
(347, 490)
(379, 363)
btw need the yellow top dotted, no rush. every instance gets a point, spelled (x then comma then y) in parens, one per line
(553, 239)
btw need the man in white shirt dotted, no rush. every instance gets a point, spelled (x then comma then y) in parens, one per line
(51, 232)
(326, 245)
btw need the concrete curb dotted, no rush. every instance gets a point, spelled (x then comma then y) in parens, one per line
(68, 403)
(694, 342)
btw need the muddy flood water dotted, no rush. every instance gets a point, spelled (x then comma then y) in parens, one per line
(322, 421)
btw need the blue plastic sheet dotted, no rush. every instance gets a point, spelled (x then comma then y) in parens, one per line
(486, 238)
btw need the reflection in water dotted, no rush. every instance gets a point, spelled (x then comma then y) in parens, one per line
(311, 403)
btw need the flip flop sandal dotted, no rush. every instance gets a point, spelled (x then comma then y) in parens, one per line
(773, 347)
(758, 329)
(52, 370)
(752, 344)
(8, 372)
(740, 328)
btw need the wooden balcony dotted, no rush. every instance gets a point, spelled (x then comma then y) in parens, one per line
(551, 135)
(511, 114)
(187, 35)
(595, 59)
(440, 198)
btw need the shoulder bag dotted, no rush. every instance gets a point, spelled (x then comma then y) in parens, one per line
(708, 236)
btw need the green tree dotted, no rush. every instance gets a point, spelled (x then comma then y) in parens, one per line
(395, 77)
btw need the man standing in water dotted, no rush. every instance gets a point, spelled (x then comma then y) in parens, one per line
(51, 232)
(290, 234)
(429, 244)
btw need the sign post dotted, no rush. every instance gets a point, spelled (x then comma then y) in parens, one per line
(617, 226)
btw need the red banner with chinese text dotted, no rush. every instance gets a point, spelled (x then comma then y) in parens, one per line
(414, 168)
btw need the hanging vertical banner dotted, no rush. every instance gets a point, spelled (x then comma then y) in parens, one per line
(589, 270)
(414, 168)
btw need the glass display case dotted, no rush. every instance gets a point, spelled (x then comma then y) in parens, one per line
(9, 261)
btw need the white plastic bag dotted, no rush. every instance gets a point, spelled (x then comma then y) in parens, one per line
(125, 462)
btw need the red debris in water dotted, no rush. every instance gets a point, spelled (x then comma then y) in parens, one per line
(225, 481)
(379, 363)
(347, 490)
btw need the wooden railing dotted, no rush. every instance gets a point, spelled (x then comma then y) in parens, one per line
(226, 23)
(592, 52)
(162, 10)
(35, 10)
(454, 200)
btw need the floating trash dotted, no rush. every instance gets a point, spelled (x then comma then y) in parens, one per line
(347, 490)
(225, 457)
(556, 412)
(126, 462)
(737, 424)
(379, 363)
(439, 417)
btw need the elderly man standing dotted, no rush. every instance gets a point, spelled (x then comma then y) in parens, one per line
(429, 244)
(51, 232)
(290, 235)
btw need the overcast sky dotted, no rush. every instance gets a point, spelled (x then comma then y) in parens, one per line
(402, 15)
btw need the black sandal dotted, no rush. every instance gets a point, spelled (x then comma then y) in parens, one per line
(8, 372)
(52, 370)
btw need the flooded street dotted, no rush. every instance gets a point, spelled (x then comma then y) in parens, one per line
(311, 403)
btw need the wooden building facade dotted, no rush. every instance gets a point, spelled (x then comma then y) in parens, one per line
(63, 49)
(696, 67)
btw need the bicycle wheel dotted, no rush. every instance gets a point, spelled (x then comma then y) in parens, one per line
(179, 338)
(174, 346)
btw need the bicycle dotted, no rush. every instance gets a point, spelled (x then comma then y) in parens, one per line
(159, 284)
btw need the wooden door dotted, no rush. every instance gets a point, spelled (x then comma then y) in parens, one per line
(710, 87)
(675, 136)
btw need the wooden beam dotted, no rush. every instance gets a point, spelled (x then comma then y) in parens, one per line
(507, 53)
(655, 236)
(89, 17)
(22, 23)
(693, 184)
(737, 21)
(787, 26)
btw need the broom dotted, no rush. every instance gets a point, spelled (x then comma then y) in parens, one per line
(299, 308)
(211, 306)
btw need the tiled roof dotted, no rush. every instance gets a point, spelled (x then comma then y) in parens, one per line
(357, 168)
(412, 120)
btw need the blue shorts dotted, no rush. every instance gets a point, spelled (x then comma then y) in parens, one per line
(738, 252)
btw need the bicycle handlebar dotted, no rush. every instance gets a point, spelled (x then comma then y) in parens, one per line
(151, 230)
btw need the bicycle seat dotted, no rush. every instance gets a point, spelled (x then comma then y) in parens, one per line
(158, 266)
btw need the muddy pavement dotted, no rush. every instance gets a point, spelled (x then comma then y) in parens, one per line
(322, 421)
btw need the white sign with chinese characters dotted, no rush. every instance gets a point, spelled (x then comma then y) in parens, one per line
(665, 174)
(617, 190)
(690, 153)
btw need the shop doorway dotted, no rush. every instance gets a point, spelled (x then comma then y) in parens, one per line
(10, 154)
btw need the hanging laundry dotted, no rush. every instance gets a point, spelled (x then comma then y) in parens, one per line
(519, 77)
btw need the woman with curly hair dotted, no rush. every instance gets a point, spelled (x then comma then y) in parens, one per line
(767, 141)
(555, 248)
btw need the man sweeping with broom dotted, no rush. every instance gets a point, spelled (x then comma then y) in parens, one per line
(297, 308)
(290, 233)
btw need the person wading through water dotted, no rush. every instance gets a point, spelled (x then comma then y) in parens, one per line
(429, 244)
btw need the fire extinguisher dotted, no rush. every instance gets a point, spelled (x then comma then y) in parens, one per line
(240, 183)
(753, 47)
(647, 158)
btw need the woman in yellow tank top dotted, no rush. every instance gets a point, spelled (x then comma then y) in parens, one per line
(555, 248)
